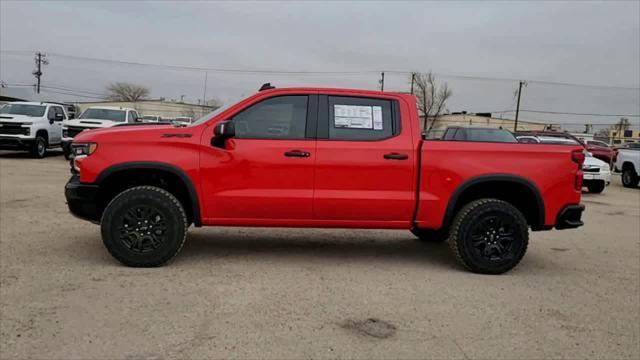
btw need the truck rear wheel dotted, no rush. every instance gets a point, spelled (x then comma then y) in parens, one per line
(629, 177)
(596, 187)
(489, 236)
(429, 235)
(144, 226)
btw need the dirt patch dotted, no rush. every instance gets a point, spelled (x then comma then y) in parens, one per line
(371, 327)
(560, 249)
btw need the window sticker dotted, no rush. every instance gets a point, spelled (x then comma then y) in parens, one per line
(357, 117)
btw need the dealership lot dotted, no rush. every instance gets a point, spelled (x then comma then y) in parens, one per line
(276, 293)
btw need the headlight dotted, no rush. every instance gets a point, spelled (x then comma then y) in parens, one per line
(604, 168)
(83, 149)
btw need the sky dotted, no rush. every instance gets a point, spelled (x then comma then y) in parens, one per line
(481, 49)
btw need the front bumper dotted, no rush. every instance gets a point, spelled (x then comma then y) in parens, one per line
(570, 217)
(15, 142)
(82, 199)
(602, 176)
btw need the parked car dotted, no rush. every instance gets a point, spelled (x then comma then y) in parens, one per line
(96, 117)
(628, 161)
(482, 134)
(597, 174)
(31, 126)
(597, 143)
(328, 158)
(151, 118)
(604, 153)
(183, 120)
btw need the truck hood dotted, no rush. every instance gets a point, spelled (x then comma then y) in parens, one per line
(18, 119)
(138, 131)
(91, 123)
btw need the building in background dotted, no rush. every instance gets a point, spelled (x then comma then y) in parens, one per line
(623, 136)
(159, 107)
(441, 123)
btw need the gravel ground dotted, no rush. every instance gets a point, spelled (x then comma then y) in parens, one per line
(277, 293)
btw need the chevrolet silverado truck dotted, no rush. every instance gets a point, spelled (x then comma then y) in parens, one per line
(321, 158)
(31, 126)
(628, 162)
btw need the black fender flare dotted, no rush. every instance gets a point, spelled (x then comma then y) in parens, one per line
(453, 200)
(191, 190)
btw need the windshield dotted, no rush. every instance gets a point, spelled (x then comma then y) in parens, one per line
(23, 109)
(210, 115)
(104, 114)
(491, 135)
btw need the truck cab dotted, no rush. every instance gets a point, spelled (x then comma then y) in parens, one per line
(31, 126)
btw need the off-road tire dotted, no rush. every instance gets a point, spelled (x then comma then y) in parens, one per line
(118, 214)
(629, 178)
(429, 235)
(596, 187)
(39, 147)
(66, 153)
(469, 218)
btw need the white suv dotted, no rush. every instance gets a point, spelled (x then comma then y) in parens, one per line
(32, 126)
(96, 117)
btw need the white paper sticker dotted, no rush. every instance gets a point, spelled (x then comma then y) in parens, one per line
(357, 117)
(377, 117)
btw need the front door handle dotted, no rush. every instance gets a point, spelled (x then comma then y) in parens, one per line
(297, 153)
(396, 156)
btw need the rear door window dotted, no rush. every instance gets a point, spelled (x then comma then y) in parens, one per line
(364, 119)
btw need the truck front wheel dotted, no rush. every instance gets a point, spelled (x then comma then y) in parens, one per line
(39, 147)
(489, 236)
(144, 226)
(596, 187)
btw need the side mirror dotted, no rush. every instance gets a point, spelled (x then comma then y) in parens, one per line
(221, 132)
(224, 129)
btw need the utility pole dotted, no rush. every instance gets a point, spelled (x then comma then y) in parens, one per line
(515, 126)
(413, 79)
(41, 59)
(204, 94)
(382, 81)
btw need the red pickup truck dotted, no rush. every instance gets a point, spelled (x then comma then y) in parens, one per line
(323, 158)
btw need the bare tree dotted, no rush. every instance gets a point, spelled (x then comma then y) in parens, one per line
(127, 92)
(432, 98)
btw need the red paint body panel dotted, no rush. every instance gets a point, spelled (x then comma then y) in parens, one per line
(448, 164)
(346, 184)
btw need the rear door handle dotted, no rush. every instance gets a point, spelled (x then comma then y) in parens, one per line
(396, 156)
(297, 153)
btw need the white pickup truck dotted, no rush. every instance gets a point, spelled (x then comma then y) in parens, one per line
(628, 161)
(32, 126)
(96, 117)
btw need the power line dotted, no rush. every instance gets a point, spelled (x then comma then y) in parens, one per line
(565, 113)
(330, 72)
